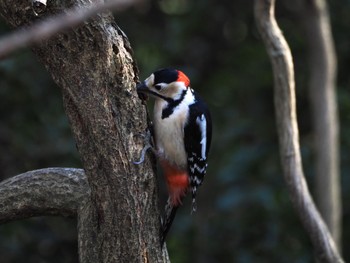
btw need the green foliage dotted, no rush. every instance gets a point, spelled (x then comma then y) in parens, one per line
(244, 213)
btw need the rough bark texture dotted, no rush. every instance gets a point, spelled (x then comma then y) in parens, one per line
(51, 191)
(316, 23)
(284, 95)
(93, 66)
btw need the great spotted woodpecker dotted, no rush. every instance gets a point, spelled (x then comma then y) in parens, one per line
(182, 135)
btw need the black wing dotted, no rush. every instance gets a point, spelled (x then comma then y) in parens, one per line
(198, 132)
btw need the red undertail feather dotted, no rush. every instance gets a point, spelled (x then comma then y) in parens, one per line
(177, 182)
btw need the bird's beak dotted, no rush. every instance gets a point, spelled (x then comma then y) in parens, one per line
(142, 90)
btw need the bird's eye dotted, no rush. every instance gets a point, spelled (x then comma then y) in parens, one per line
(158, 87)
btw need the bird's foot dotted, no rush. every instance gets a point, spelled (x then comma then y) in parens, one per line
(147, 138)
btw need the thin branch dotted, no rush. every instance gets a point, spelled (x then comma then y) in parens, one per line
(284, 93)
(52, 25)
(50, 191)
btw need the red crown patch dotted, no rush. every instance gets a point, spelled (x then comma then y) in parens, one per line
(182, 77)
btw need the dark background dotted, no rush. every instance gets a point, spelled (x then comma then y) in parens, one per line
(244, 213)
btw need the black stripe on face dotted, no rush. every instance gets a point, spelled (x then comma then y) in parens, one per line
(169, 100)
(172, 105)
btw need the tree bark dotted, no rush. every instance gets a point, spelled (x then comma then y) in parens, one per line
(51, 191)
(315, 20)
(288, 135)
(94, 68)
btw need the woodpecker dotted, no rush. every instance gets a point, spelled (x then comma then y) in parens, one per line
(182, 136)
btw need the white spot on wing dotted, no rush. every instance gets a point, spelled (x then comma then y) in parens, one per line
(202, 123)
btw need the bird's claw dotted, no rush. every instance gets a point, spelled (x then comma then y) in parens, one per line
(147, 137)
(143, 153)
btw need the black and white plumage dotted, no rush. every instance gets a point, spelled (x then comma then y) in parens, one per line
(182, 131)
(197, 143)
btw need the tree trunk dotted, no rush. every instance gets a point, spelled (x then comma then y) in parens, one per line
(93, 66)
(316, 24)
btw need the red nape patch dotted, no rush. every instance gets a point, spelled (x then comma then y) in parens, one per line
(177, 182)
(182, 77)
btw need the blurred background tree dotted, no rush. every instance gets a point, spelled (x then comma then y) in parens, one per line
(244, 213)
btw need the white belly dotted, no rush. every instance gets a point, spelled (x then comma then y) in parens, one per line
(169, 134)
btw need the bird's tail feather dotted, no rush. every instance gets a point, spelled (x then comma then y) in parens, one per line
(169, 215)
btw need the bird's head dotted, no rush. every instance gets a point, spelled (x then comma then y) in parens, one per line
(166, 84)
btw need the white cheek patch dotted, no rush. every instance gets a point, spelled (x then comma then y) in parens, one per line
(202, 123)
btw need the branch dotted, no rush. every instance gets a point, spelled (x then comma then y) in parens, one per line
(316, 23)
(52, 25)
(284, 93)
(50, 191)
